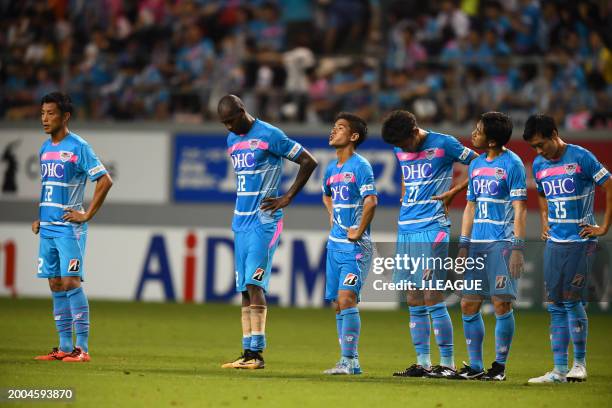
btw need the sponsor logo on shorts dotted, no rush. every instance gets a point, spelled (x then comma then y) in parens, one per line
(74, 265)
(350, 280)
(578, 281)
(500, 281)
(259, 274)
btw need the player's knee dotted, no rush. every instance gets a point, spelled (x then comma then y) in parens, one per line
(256, 295)
(347, 300)
(70, 282)
(55, 284)
(470, 306)
(501, 308)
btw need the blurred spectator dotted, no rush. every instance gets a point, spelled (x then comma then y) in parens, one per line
(303, 60)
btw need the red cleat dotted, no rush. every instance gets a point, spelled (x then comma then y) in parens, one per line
(54, 355)
(77, 356)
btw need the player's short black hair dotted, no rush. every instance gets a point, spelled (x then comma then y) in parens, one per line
(497, 126)
(397, 126)
(62, 100)
(539, 123)
(356, 124)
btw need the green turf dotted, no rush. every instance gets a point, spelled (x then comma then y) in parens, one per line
(170, 354)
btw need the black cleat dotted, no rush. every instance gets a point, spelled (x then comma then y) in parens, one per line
(413, 371)
(497, 372)
(442, 372)
(467, 373)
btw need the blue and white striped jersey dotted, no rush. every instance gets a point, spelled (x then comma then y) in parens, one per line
(64, 169)
(569, 187)
(494, 185)
(426, 173)
(348, 185)
(257, 158)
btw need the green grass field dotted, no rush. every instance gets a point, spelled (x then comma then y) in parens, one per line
(170, 354)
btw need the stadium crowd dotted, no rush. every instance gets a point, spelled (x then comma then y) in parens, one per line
(304, 60)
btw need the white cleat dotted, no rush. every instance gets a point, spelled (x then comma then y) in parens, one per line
(578, 373)
(551, 377)
(345, 367)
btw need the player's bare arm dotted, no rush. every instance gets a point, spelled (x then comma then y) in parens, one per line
(103, 185)
(467, 223)
(601, 230)
(448, 196)
(307, 164)
(369, 207)
(517, 260)
(543, 216)
(36, 226)
(327, 202)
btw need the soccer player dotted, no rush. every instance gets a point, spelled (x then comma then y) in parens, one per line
(350, 198)
(66, 162)
(426, 159)
(565, 176)
(256, 149)
(493, 229)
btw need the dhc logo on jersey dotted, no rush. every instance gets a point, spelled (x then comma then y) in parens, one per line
(485, 186)
(241, 160)
(340, 193)
(417, 171)
(559, 186)
(52, 170)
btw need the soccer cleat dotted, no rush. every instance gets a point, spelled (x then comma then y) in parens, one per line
(441, 372)
(253, 360)
(578, 373)
(236, 363)
(467, 373)
(77, 356)
(550, 377)
(497, 372)
(54, 355)
(346, 366)
(413, 371)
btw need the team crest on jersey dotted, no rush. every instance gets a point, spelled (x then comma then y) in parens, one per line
(259, 275)
(499, 173)
(427, 274)
(74, 265)
(350, 279)
(500, 281)
(348, 177)
(65, 156)
(430, 153)
(253, 144)
(578, 281)
(570, 168)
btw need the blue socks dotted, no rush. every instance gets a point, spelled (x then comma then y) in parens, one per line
(63, 320)
(504, 331)
(80, 316)
(339, 320)
(559, 336)
(578, 328)
(443, 331)
(473, 327)
(351, 328)
(420, 330)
